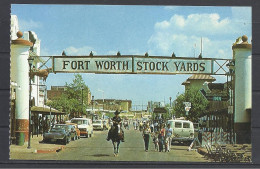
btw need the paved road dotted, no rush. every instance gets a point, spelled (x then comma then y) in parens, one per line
(98, 149)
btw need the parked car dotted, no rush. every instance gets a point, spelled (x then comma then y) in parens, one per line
(76, 129)
(85, 126)
(183, 130)
(59, 133)
(98, 125)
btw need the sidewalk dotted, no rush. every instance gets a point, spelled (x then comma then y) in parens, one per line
(36, 147)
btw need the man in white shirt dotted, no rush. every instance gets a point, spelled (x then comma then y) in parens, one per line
(168, 137)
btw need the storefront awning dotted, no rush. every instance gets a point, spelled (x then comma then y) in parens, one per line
(46, 110)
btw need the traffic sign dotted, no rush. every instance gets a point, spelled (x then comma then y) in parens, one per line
(187, 104)
(187, 108)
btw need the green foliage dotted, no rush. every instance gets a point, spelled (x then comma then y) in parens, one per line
(71, 100)
(198, 104)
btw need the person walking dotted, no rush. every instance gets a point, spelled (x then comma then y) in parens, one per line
(152, 127)
(135, 124)
(161, 137)
(168, 137)
(146, 136)
(141, 125)
(156, 125)
(155, 140)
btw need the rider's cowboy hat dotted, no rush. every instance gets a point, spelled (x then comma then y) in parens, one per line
(117, 112)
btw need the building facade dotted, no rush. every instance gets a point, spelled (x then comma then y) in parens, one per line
(113, 104)
(55, 92)
(24, 46)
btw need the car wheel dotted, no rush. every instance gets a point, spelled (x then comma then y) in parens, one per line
(87, 135)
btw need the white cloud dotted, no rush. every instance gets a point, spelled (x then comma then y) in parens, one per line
(182, 35)
(85, 50)
(27, 25)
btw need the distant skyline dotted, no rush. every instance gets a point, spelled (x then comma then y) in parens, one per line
(134, 30)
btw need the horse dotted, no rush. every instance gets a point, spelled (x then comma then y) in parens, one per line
(116, 138)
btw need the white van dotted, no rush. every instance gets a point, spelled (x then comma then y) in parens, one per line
(183, 130)
(85, 126)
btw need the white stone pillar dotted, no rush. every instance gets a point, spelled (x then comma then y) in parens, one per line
(243, 88)
(20, 74)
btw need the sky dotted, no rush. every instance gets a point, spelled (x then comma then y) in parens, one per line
(134, 30)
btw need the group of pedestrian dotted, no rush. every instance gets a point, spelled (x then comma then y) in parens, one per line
(138, 125)
(162, 137)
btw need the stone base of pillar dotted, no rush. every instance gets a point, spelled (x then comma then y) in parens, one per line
(243, 133)
(22, 131)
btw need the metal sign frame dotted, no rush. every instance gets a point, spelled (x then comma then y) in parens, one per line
(216, 66)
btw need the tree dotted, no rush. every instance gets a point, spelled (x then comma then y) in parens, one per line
(198, 104)
(75, 98)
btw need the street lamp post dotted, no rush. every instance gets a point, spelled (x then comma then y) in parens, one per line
(92, 102)
(30, 61)
(82, 99)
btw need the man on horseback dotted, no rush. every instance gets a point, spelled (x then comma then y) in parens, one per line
(116, 127)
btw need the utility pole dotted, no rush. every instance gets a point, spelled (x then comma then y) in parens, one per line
(82, 99)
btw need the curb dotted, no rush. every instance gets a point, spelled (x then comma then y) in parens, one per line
(54, 150)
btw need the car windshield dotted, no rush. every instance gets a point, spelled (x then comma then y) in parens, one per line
(79, 121)
(53, 130)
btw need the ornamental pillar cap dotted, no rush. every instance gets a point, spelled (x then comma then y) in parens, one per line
(243, 45)
(20, 40)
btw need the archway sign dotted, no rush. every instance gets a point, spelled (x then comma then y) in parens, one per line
(135, 64)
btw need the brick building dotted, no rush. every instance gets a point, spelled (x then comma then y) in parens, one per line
(57, 91)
